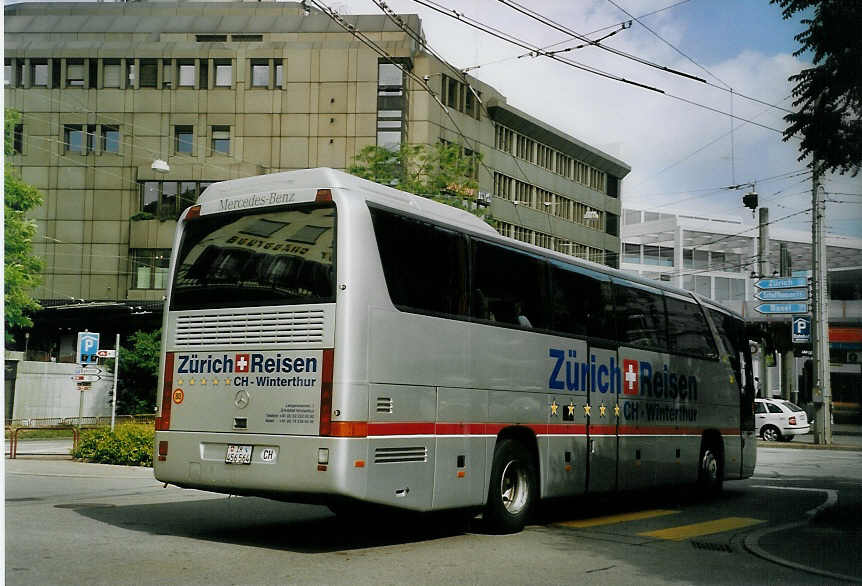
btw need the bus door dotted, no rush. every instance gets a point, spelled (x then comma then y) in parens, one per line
(602, 428)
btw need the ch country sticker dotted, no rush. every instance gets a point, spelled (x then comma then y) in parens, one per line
(242, 362)
(630, 374)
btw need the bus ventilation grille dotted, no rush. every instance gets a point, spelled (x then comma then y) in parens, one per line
(400, 455)
(270, 327)
(384, 404)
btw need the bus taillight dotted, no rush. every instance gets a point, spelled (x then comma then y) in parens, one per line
(163, 422)
(326, 393)
(323, 196)
(193, 213)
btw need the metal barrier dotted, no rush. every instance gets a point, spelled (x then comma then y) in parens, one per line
(75, 424)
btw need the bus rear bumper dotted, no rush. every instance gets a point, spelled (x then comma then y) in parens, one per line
(303, 469)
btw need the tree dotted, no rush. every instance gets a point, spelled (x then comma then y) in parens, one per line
(829, 94)
(20, 265)
(139, 373)
(440, 172)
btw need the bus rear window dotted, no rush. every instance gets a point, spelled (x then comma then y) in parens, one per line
(271, 257)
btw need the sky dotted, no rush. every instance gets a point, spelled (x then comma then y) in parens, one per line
(683, 156)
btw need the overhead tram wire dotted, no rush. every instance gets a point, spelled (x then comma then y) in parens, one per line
(420, 40)
(550, 23)
(577, 65)
(545, 48)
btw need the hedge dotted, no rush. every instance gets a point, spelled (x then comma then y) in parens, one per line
(127, 445)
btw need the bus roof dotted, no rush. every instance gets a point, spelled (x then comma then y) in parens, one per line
(326, 178)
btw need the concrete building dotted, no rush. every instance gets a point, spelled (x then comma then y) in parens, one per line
(219, 90)
(716, 256)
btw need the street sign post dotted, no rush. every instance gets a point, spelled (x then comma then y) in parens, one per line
(88, 346)
(782, 283)
(779, 308)
(801, 329)
(782, 295)
(85, 378)
(106, 353)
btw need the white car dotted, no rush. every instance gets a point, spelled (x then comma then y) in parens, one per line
(779, 420)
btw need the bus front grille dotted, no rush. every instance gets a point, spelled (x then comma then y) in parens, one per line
(241, 328)
(400, 455)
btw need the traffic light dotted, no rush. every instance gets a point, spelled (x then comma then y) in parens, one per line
(749, 200)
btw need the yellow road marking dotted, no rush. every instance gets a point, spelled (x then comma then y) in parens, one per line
(706, 528)
(622, 518)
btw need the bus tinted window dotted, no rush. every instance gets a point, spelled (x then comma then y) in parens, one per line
(688, 332)
(640, 317)
(509, 286)
(582, 302)
(255, 259)
(425, 266)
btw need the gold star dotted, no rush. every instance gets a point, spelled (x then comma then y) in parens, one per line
(587, 410)
(203, 381)
(215, 381)
(227, 381)
(602, 410)
(180, 382)
(617, 409)
(554, 407)
(571, 408)
(191, 381)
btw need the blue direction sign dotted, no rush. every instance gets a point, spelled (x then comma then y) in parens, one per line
(782, 295)
(771, 308)
(801, 326)
(88, 346)
(781, 283)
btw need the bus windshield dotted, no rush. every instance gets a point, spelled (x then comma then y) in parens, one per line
(269, 257)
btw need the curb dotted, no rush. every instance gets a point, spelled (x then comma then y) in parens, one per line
(800, 446)
(751, 543)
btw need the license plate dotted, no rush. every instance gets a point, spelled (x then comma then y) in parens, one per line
(238, 454)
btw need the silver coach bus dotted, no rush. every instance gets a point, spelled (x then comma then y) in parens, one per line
(331, 340)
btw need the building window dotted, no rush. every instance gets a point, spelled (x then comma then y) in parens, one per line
(149, 73)
(39, 73)
(184, 137)
(612, 224)
(223, 73)
(260, 73)
(7, 73)
(279, 76)
(167, 74)
(186, 73)
(204, 68)
(166, 200)
(111, 73)
(73, 138)
(18, 139)
(131, 73)
(631, 253)
(74, 73)
(211, 38)
(150, 267)
(110, 139)
(221, 139)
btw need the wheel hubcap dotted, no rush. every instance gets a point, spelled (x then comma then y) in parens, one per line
(710, 465)
(514, 487)
(769, 434)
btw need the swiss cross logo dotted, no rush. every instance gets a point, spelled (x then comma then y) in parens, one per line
(242, 363)
(630, 377)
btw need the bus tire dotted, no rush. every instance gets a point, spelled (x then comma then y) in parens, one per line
(512, 492)
(710, 469)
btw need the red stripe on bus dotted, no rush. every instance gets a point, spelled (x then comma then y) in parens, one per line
(360, 429)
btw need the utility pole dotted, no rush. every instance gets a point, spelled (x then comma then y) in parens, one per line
(763, 269)
(788, 359)
(821, 391)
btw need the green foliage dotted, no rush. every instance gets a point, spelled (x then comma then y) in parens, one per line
(142, 216)
(439, 172)
(829, 94)
(127, 445)
(20, 265)
(139, 373)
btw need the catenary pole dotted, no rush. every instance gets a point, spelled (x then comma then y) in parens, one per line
(821, 392)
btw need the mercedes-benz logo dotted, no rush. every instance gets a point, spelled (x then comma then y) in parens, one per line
(241, 399)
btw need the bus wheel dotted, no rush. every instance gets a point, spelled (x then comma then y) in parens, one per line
(513, 488)
(710, 472)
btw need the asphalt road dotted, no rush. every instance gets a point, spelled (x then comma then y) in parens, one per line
(68, 522)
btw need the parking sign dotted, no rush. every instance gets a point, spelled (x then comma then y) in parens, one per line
(801, 325)
(88, 347)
